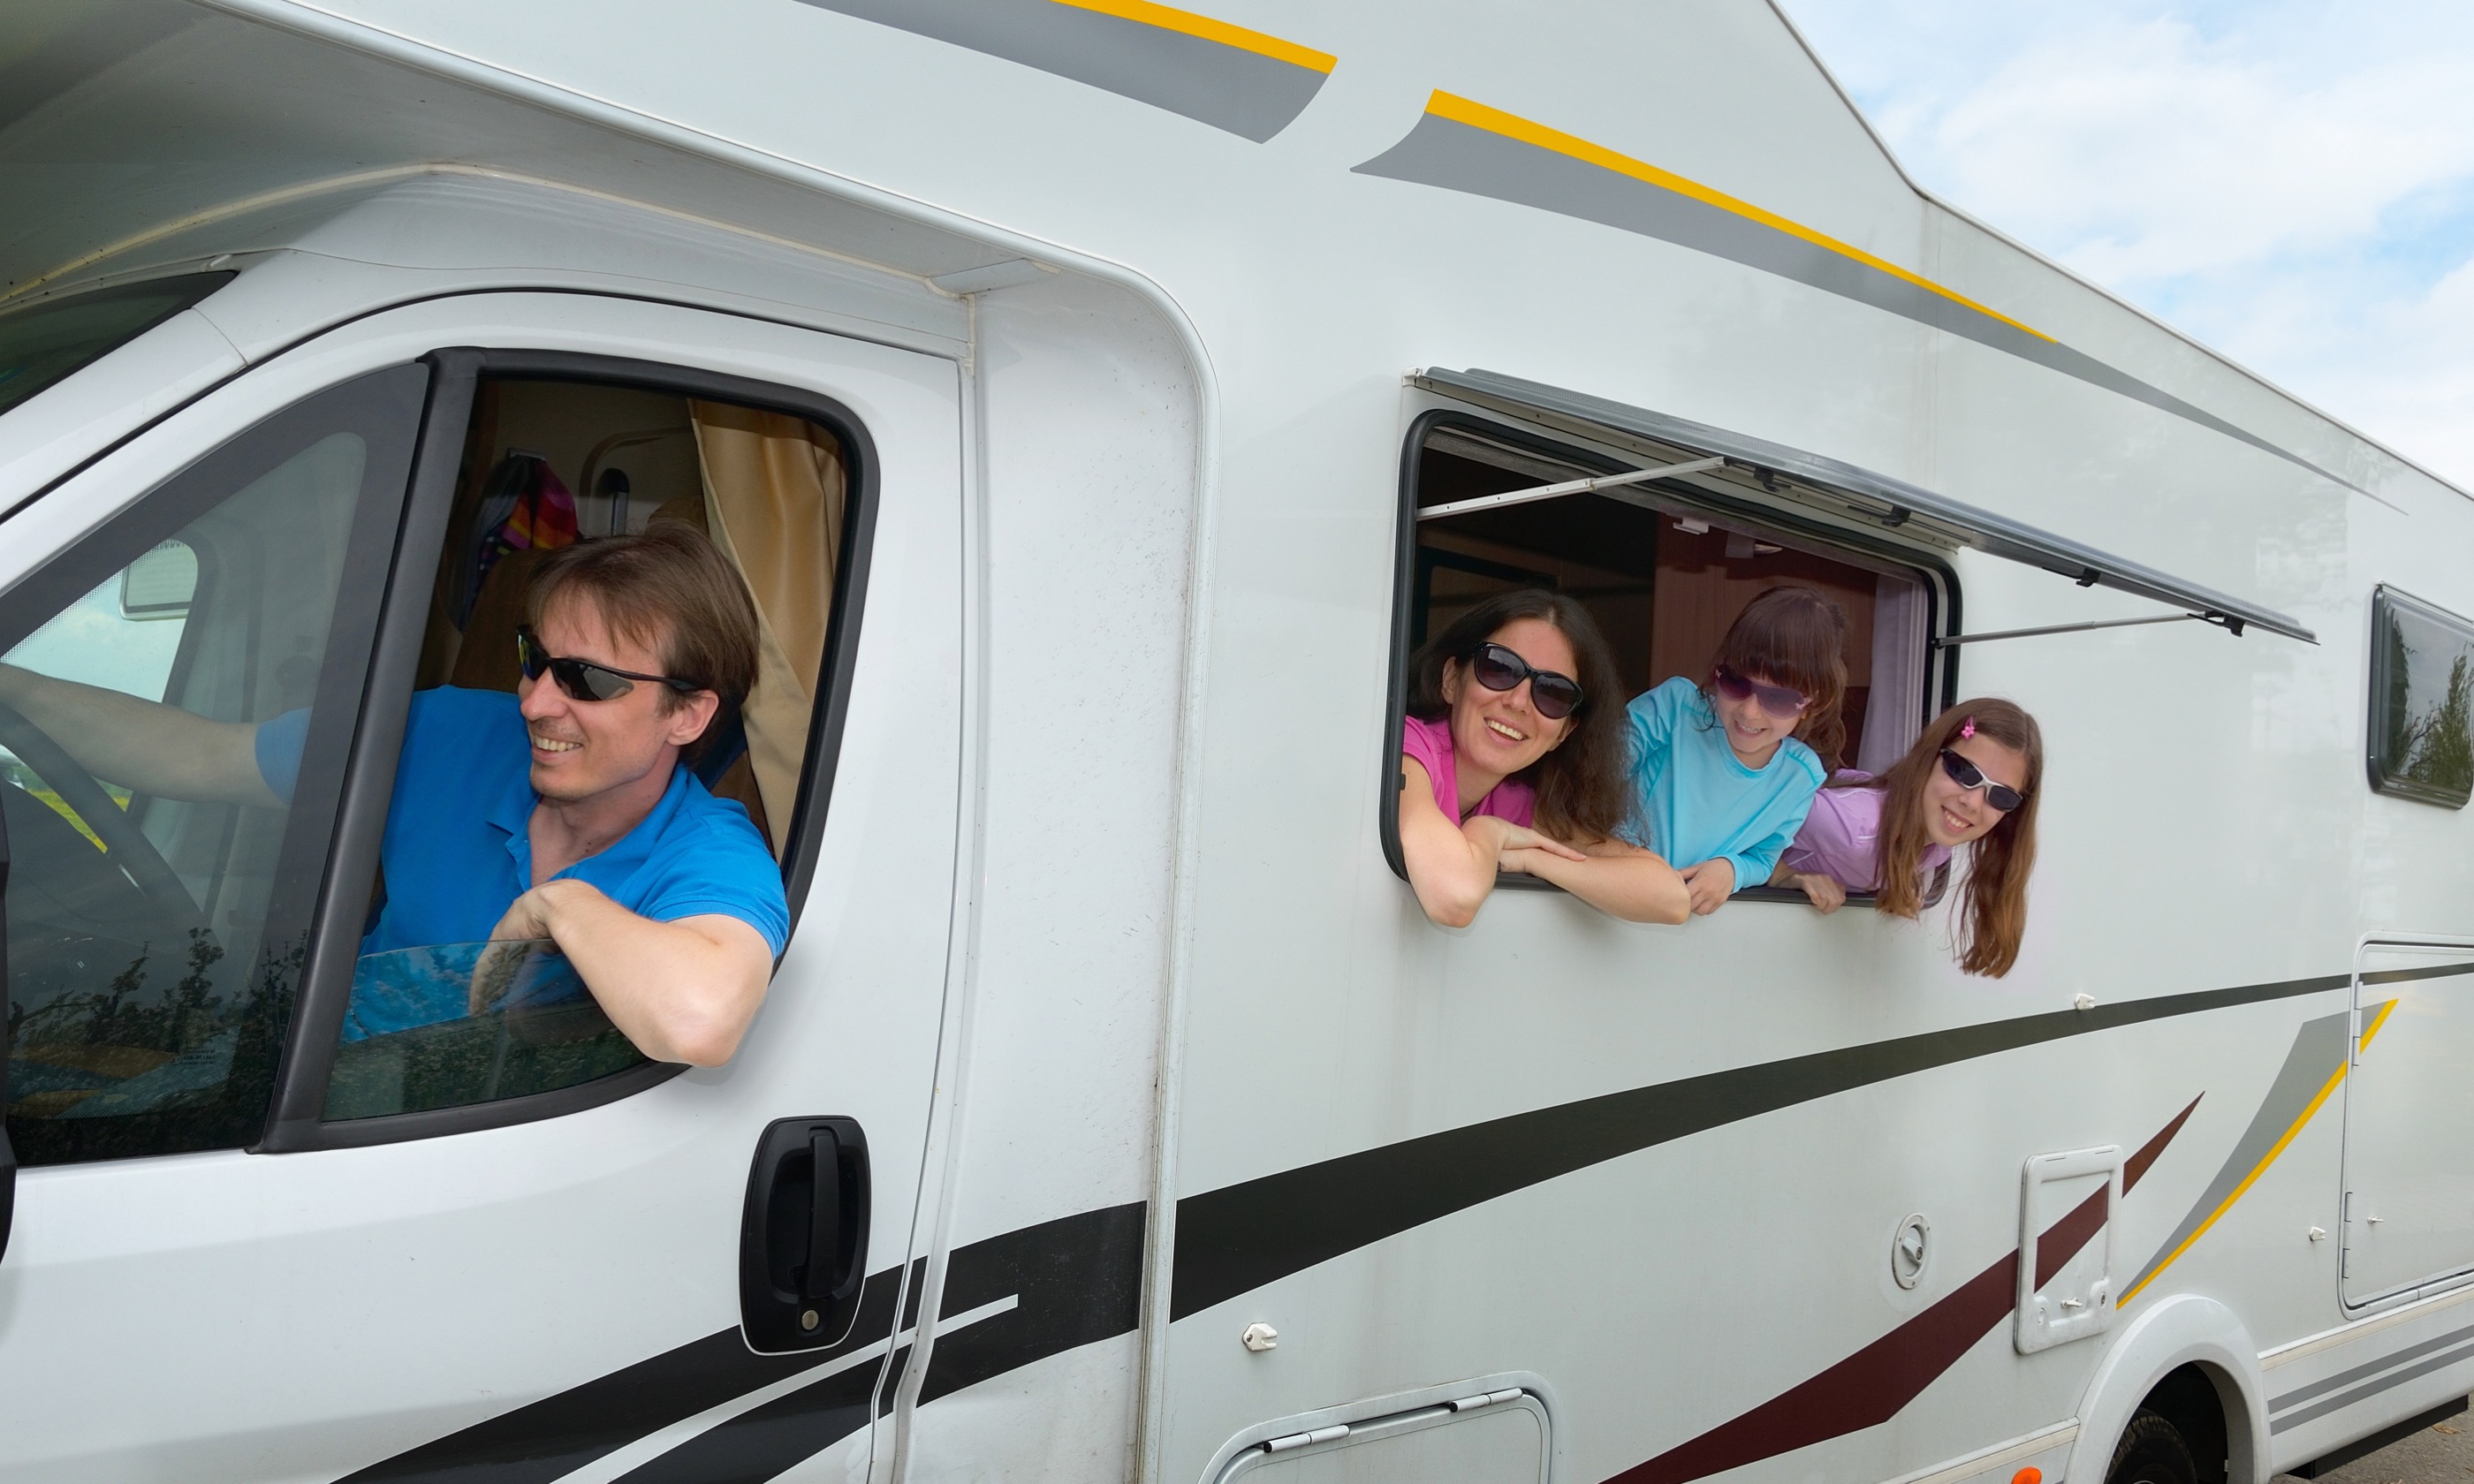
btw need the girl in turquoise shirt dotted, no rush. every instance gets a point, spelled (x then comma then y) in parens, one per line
(1723, 771)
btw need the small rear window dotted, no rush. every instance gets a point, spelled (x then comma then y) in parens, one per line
(2422, 701)
(46, 342)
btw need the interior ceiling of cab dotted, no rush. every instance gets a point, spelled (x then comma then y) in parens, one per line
(120, 120)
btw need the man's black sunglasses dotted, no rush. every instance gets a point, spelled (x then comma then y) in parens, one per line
(1967, 775)
(581, 679)
(1497, 668)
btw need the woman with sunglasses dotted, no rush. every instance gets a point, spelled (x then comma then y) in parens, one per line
(1512, 759)
(1723, 770)
(1970, 780)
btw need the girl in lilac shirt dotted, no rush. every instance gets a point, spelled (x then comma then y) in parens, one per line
(1512, 759)
(1970, 780)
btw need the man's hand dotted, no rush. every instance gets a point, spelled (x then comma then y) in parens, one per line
(526, 922)
(529, 916)
(1711, 882)
(682, 990)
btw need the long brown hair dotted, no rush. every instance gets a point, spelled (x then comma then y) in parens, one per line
(1795, 637)
(1993, 905)
(1583, 793)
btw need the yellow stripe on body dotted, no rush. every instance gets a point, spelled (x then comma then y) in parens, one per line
(1187, 23)
(2261, 1168)
(1477, 115)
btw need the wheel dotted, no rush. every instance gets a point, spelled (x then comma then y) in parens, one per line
(2151, 1452)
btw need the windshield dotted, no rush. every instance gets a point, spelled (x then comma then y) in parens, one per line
(44, 342)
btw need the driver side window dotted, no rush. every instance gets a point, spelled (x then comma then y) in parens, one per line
(154, 930)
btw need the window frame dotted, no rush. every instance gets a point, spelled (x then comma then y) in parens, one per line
(1942, 597)
(296, 1122)
(296, 899)
(194, 288)
(2385, 601)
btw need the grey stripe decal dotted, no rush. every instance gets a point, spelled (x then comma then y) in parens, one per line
(2348, 1377)
(2345, 1400)
(1458, 156)
(2318, 1050)
(1244, 92)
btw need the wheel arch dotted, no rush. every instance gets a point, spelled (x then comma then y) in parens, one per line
(2184, 1330)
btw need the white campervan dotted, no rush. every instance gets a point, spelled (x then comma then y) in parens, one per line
(1101, 399)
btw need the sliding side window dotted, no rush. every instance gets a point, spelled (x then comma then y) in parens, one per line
(2422, 701)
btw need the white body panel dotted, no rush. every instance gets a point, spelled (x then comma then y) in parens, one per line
(1155, 562)
(512, 1263)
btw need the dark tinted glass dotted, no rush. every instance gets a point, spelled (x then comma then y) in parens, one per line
(155, 932)
(44, 342)
(2422, 701)
(467, 1022)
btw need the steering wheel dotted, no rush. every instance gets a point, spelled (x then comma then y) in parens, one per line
(124, 843)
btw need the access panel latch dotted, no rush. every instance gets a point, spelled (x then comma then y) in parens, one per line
(803, 1241)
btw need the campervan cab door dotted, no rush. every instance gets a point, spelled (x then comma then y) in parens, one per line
(266, 1255)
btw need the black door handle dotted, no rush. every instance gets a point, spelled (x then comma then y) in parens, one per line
(803, 1240)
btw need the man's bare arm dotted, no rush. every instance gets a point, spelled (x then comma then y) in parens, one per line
(682, 990)
(142, 745)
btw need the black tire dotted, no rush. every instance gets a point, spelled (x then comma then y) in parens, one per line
(2151, 1452)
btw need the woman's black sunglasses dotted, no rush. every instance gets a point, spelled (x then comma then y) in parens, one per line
(1497, 668)
(1967, 775)
(581, 679)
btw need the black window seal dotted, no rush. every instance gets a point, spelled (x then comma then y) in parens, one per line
(1942, 597)
(2385, 600)
(298, 1123)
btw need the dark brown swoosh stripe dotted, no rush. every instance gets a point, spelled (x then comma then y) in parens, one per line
(1874, 1385)
(2135, 1168)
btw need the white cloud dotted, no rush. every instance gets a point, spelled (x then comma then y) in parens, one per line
(2292, 182)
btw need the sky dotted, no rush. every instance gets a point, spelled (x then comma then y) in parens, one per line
(2289, 181)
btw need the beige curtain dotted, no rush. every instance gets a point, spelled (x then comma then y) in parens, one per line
(773, 502)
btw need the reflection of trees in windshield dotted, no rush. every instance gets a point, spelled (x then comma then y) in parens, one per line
(80, 1063)
(115, 1016)
(2430, 727)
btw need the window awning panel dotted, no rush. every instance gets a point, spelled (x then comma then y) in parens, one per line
(1844, 488)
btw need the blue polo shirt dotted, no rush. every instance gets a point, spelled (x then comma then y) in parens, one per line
(457, 851)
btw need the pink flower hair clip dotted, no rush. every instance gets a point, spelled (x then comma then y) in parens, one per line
(1967, 728)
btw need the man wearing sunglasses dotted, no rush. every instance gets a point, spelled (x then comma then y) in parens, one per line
(564, 811)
